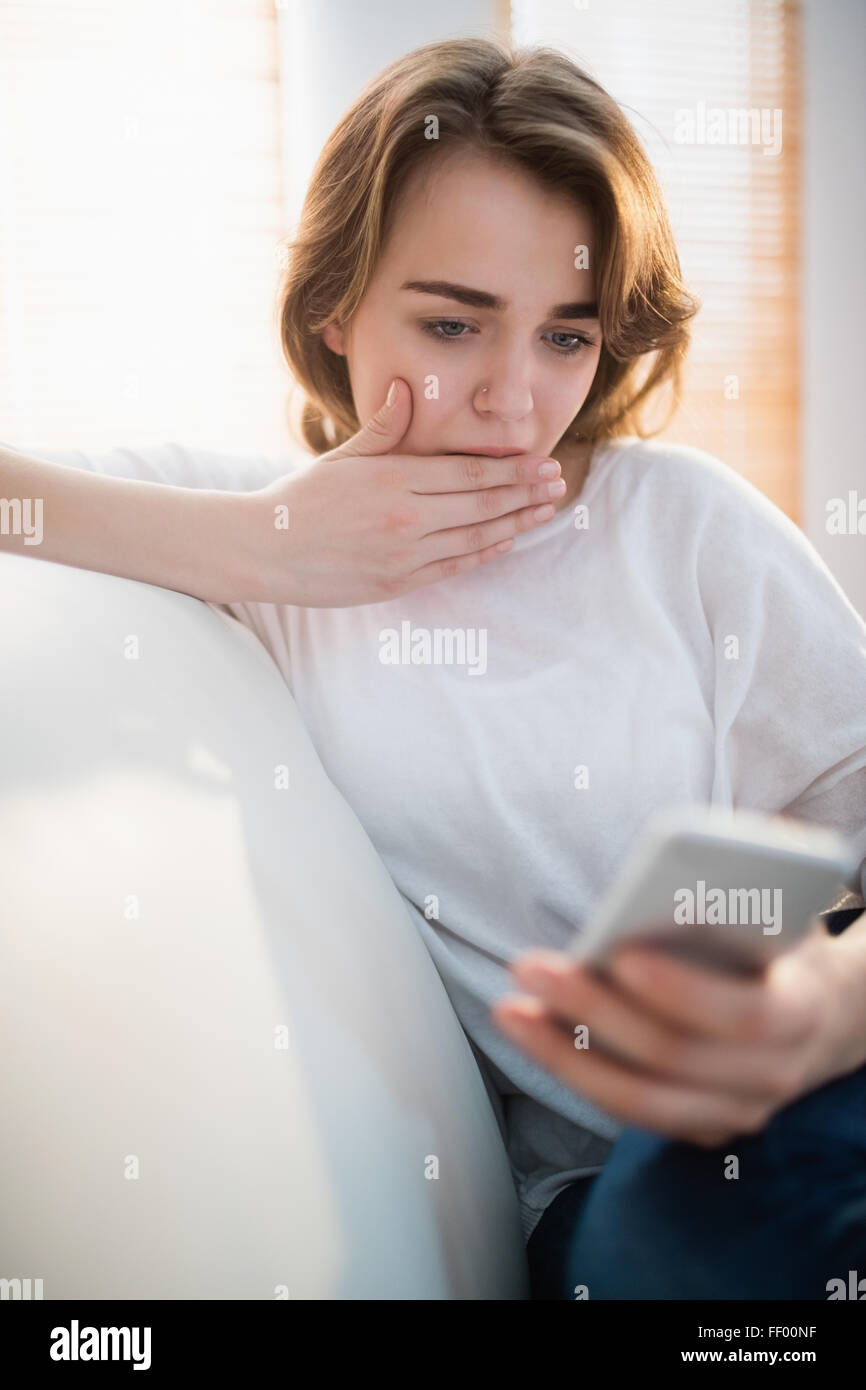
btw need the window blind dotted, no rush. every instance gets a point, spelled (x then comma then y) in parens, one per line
(680, 64)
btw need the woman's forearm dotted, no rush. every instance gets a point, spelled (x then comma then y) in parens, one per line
(189, 539)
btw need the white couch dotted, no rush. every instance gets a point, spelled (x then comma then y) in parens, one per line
(230, 1069)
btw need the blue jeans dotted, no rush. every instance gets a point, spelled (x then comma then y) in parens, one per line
(662, 1221)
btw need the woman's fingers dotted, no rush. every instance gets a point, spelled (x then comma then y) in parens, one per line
(463, 510)
(632, 1095)
(626, 1026)
(466, 540)
(429, 475)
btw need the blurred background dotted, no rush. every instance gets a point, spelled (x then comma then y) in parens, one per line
(154, 156)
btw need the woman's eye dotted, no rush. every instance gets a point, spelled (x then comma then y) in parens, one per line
(434, 325)
(577, 342)
(441, 329)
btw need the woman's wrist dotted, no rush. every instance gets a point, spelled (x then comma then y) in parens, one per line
(257, 524)
(192, 540)
(216, 547)
(850, 954)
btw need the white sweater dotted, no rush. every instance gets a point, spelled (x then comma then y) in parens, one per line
(688, 644)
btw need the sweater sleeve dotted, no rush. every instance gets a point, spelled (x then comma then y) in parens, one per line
(790, 666)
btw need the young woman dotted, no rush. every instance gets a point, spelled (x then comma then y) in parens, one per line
(485, 275)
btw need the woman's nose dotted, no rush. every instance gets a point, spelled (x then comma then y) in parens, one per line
(504, 391)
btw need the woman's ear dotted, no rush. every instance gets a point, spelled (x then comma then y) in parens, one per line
(332, 336)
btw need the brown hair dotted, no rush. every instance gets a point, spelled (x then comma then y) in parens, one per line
(539, 109)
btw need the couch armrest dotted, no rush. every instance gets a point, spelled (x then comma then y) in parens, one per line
(230, 1067)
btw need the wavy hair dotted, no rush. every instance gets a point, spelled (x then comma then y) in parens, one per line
(537, 108)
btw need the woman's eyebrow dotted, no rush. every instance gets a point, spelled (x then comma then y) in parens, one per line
(480, 299)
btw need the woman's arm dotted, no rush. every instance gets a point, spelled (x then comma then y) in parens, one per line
(197, 541)
(352, 530)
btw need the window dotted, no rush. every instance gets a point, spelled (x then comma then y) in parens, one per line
(692, 66)
(139, 224)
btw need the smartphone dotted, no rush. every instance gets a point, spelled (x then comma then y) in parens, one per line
(727, 889)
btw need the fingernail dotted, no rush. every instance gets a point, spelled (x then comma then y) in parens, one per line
(392, 393)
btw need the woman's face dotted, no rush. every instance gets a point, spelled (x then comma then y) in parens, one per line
(477, 287)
